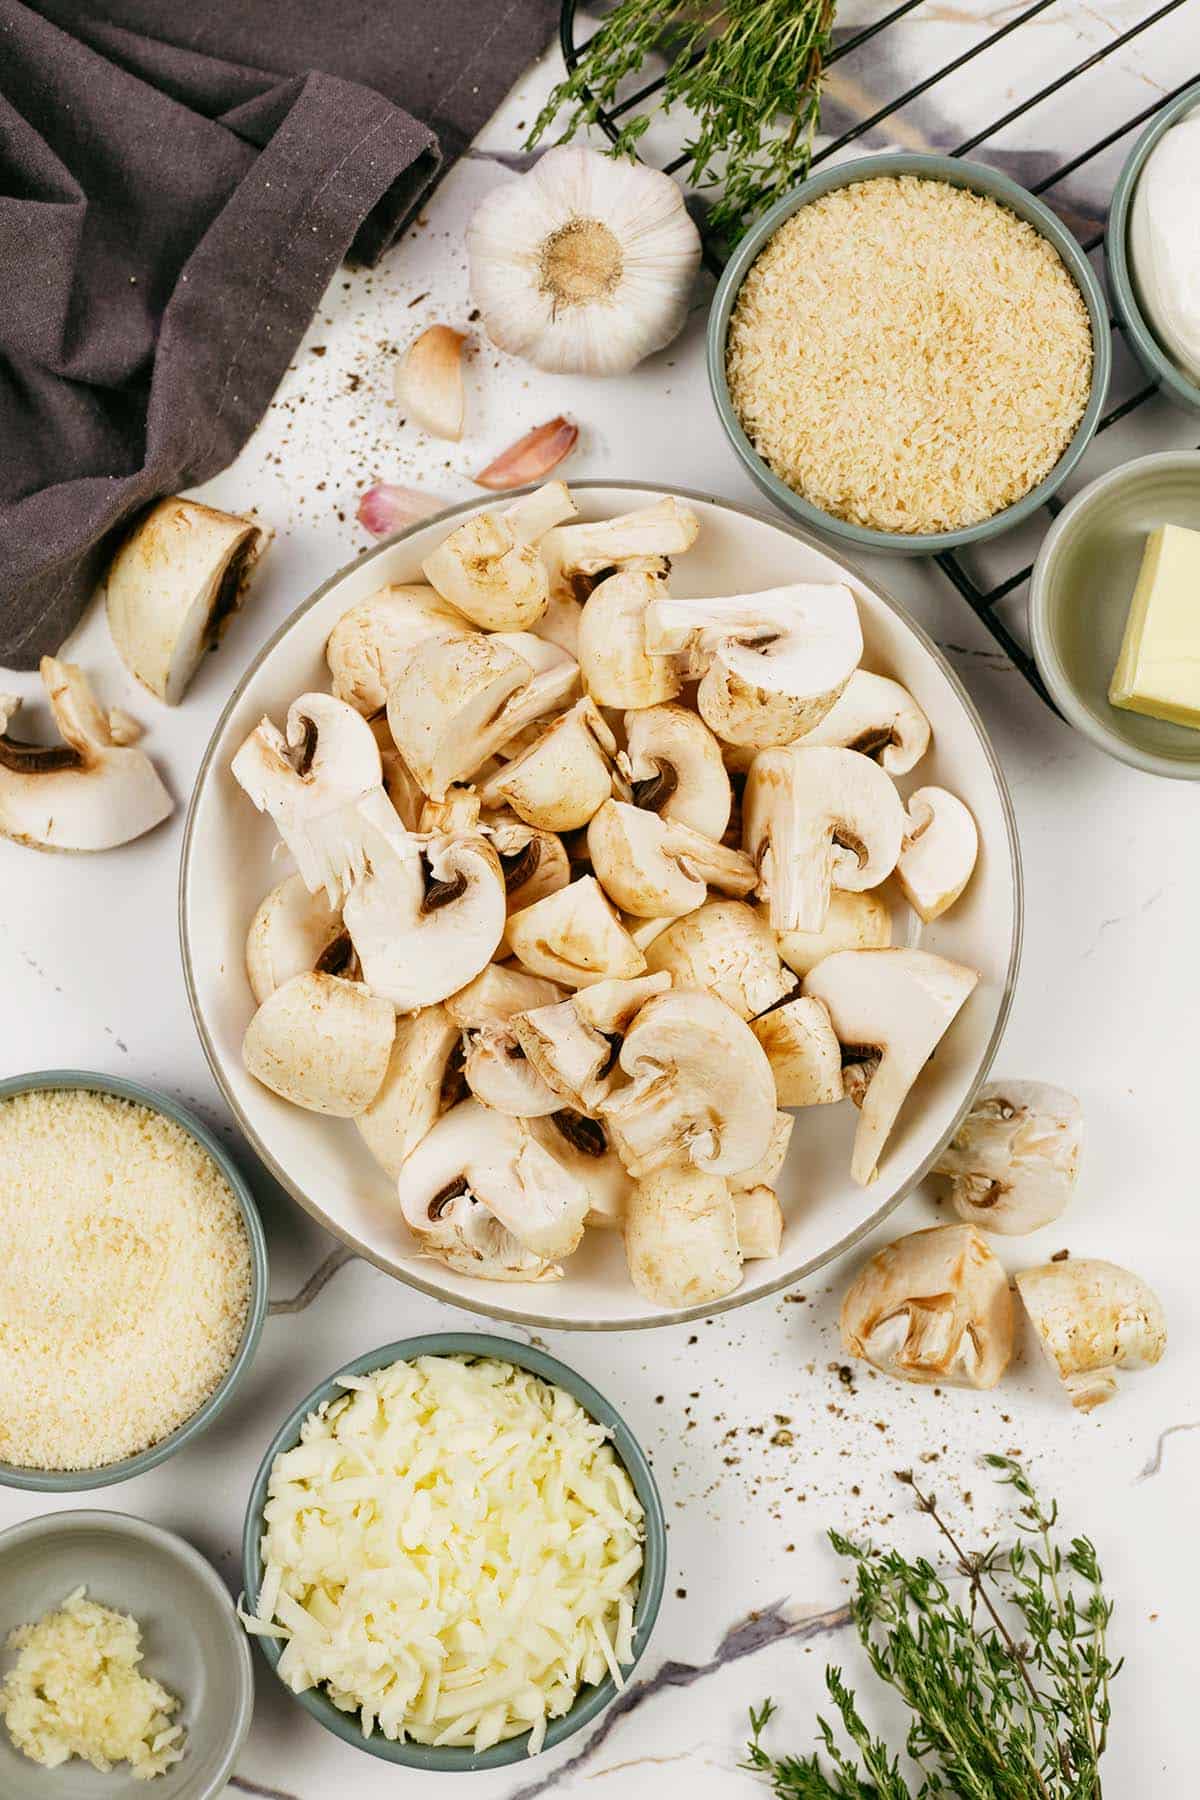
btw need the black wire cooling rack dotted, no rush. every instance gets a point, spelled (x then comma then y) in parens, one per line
(983, 600)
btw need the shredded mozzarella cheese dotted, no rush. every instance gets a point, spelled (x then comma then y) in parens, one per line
(453, 1549)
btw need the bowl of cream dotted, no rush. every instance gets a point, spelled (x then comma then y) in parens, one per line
(1153, 249)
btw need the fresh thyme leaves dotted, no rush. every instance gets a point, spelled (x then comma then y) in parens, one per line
(1008, 1689)
(750, 72)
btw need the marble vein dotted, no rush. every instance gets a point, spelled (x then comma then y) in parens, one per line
(337, 1259)
(1154, 1464)
(256, 1788)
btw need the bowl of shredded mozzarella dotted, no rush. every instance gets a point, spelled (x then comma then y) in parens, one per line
(454, 1552)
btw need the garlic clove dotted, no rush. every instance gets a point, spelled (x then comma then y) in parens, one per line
(385, 508)
(531, 457)
(429, 381)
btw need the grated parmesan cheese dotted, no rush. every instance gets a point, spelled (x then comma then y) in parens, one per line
(75, 1690)
(453, 1549)
(124, 1283)
(909, 356)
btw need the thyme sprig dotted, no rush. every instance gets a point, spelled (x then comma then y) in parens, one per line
(1008, 1687)
(750, 72)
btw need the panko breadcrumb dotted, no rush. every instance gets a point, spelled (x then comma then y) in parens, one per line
(909, 356)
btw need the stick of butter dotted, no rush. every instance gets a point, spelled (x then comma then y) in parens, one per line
(1158, 670)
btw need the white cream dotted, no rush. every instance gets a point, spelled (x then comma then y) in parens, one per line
(1164, 243)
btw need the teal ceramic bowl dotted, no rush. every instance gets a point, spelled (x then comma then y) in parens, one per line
(981, 180)
(1121, 280)
(1079, 597)
(74, 1481)
(449, 1759)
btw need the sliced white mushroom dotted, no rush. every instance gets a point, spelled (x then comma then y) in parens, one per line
(581, 1145)
(656, 868)
(490, 568)
(322, 1043)
(563, 777)
(616, 666)
(932, 1307)
(576, 554)
(494, 1063)
(1091, 1319)
(681, 1239)
(498, 992)
(423, 1080)
(292, 932)
(370, 642)
(88, 792)
(803, 1051)
(574, 936)
(815, 820)
(759, 1220)
(894, 1005)
(771, 665)
(174, 585)
(853, 922)
(700, 1089)
(455, 816)
(878, 718)
(1013, 1162)
(644, 931)
(534, 863)
(724, 948)
(765, 1172)
(478, 1162)
(938, 855)
(574, 1045)
(673, 763)
(321, 781)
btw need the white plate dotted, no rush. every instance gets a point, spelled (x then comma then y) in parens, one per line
(228, 866)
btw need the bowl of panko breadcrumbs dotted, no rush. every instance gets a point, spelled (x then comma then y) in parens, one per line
(909, 352)
(133, 1284)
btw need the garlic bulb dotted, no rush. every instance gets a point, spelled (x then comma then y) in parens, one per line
(585, 264)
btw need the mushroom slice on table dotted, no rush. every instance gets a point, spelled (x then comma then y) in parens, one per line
(655, 868)
(770, 664)
(489, 566)
(674, 766)
(681, 1239)
(937, 857)
(759, 1220)
(563, 777)
(426, 915)
(815, 820)
(293, 932)
(478, 1162)
(803, 1051)
(700, 1089)
(573, 1045)
(725, 948)
(322, 1043)
(574, 936)
(616, 665)
(853, 922)
(932, 1307)
(369, 642)
(422, 1081)
(173, 586)
(1013, 1162)
(321, 781)
(1091, 1319)
(90, 792)
(880, 719)
(582, 1147)
(894, 1005)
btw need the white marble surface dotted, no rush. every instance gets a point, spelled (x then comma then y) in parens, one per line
(89, 975)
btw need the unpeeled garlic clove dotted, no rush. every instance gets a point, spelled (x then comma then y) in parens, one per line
(532, 457)
(429, 381)
(385, 508)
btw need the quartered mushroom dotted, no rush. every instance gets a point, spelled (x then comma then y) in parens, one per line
(494, 1065)
(173, 586)
(770, 664)
(877, 717)
(321, 1042)
(657, 868)
(455, 816)
(321, 781)
(574, 936)
(724, 948)
(890, 1009)
(853, 922)
(533, 863)
(759, 1220)
(423, 1080)
(292, 932)
(674, 766)
(815, 820)
(803, 1051)
(765, 1172)
(616, 665)
(490, 568)
(700, 1089)
(576, 554)
(681, 1238)
(582, 1147)
(937, 857)
(1013, 1162)
(574, 1045)
(1092, 1318)
(932, 1307)
(563, 777)
(369, 642)
(89, 792)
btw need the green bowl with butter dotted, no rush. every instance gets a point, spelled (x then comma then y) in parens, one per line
(1079, 599)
